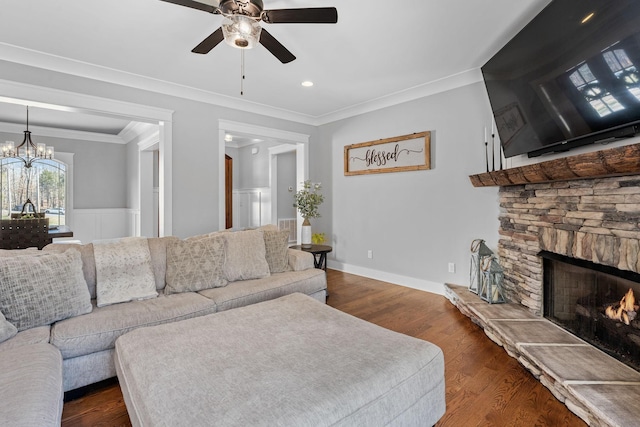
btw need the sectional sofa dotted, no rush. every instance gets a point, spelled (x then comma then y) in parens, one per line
(66, 305)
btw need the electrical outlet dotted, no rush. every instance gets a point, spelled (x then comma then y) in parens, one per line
(452, 267)
(370, 254)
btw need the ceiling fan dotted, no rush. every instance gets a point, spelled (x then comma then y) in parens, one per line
(241, 27)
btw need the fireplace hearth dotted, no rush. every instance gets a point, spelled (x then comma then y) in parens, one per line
(595, 303)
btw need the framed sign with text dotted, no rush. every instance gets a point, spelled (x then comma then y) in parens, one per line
(399, 154)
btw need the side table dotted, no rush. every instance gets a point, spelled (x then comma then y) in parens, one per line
(319, 254)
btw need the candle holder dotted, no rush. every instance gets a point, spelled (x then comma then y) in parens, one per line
(491, 281)
(479, 253)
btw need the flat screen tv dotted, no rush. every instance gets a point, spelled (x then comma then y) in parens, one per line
(569, 78)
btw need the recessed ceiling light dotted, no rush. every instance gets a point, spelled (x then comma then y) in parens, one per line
(307, 83)
(587, 18)
(228, 137)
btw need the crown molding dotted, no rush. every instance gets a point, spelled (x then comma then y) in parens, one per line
(60, 64)
(444, 84)
(146, 134)
(61, 133)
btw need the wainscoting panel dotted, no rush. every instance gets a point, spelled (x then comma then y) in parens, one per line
(97, 224)
(251, 207)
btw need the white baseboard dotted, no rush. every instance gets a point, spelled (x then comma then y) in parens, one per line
(396, 279)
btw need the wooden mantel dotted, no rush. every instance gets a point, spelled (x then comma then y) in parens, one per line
(611, 162)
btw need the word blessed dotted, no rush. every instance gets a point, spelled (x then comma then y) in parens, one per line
(381, 157)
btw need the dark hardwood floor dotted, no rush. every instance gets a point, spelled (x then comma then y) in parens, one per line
(484, 386)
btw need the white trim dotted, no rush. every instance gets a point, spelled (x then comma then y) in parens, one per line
(48, 61)
(67, 160)
(410, 94)
(300, 140)
(62, 133)
(77, 102)
(273, 175)
(396, 279)
(147, 134)
(278, 134)
(55, 99)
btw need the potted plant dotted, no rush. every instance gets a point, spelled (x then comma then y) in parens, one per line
(307, 200)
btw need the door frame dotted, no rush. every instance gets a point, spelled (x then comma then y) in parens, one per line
(300, 140)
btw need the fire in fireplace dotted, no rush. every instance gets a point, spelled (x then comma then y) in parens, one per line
(596, 303)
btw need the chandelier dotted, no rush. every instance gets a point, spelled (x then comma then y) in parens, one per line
(27, 152)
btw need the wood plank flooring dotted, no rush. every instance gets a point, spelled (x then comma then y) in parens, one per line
(484, 386)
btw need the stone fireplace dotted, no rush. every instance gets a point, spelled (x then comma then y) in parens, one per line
(585, 210)
(596, 220)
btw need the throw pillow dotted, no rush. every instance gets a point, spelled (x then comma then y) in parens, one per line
(158, 250)
(88, 261)
(7, 330)
(123, 271)
(41, 289)
(245, 256)
(194, 265)
(277, 250)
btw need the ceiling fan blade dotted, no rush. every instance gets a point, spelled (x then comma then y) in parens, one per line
(275, 47)
(210, 42)
(315, 15)
(194, 5)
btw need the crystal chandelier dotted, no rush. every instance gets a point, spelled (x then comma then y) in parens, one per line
(28, 152)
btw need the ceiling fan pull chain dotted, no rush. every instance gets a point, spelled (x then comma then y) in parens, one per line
(241, 72)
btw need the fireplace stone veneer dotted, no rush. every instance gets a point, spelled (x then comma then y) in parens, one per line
(596, 220)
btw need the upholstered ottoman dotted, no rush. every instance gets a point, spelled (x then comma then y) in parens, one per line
(292, 361)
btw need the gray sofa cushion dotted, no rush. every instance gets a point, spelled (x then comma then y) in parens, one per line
(123, 271)
(158, 250)
(38, 290)
(287, 362)
(238, 294)
(193, 265)
(245, 256)
(7, 330)
(276, 245)
(31, 386)
(98, 330)
(88, 262)
(37, 335)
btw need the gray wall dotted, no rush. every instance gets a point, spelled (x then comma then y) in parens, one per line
(286, 179)
(99, 170)
(195, 140)
(414, 222)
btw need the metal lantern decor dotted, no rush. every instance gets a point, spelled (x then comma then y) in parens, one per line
(491, 284)
(479, 252)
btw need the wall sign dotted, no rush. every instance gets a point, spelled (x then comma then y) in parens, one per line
(399, 154)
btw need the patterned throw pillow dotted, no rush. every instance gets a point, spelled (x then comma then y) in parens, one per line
(245, 259)
(277, 250)
(7, 330)
(123, 271)
(41, 289)
(194, 265)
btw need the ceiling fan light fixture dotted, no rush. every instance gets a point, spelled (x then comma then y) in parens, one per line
(241, 31)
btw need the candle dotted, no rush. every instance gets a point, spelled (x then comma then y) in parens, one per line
(485, 134)
(492, 128)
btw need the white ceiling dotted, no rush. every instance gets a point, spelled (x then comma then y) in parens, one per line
(379, 53)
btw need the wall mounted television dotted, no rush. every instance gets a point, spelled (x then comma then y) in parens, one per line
(569, 78)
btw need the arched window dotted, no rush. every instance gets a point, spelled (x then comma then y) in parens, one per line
(44, 184)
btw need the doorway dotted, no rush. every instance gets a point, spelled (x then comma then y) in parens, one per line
(228, 191)
(295, 141)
